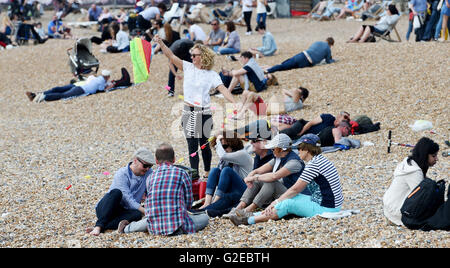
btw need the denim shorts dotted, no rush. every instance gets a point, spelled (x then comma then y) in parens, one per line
(301, 205)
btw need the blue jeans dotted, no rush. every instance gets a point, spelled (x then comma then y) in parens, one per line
(228, 50)
(298, 61)
(226, 181)
(63, 92)
(261, 18)
(431, 24)
(410, 28)
(439, 25)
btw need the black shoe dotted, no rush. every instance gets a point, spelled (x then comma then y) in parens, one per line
(124, 81)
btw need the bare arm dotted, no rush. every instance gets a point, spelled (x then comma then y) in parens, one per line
(226, 93)
(169, 54)
(310, 124)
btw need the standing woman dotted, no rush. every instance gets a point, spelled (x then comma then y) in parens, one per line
(247, 8)
(199, 79)
(261, 12)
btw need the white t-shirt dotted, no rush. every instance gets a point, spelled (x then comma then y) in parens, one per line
(198, 32)
(197, 84)
(247, 5)
(260, 7)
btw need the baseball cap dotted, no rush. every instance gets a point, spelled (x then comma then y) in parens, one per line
(106, 73)
(145, 155)
(279, 141)
(308, 138)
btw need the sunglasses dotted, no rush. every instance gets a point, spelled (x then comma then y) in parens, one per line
(195, 55)
(145, 165)
(213, 23)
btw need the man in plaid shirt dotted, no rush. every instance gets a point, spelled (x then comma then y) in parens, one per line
(169, 198)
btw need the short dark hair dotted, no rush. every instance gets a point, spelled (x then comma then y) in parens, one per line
(247, 54)
(424, 147)
(330, 41)
(230, 26)
(312, 149)
(165, 153)
(393, 9)
(162, 6)
(305, 92)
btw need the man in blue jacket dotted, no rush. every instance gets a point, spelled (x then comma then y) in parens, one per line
(123, 200)
(317, 52)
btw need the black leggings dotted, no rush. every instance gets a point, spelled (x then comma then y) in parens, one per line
(197, 129)
(247, 19)
(110, 212)
(193, 145)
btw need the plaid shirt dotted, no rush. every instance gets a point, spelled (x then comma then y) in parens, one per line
(169, 197)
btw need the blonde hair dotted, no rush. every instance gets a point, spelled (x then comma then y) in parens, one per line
(207, 55)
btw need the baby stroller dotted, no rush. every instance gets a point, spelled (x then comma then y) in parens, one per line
(81, 59)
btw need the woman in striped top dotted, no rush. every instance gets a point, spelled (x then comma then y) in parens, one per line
(321, 178)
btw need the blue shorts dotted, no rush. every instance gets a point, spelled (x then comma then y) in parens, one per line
(301, 205)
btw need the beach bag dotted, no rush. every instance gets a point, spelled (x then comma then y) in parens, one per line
(422, 203)
(268, 9)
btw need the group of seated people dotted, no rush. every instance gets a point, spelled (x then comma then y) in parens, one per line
(277, 179)
(152, 194)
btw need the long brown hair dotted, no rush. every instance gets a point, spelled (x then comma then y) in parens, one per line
(232, 139)
(169, 32)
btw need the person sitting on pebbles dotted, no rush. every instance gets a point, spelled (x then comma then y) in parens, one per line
(123, 200)
(319, 176)
(250, 76)
(169, 198)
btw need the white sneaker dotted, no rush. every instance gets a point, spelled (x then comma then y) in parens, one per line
(248, 33)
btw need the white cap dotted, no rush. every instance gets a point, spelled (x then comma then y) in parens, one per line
(140, 4)
(279, 141)
(106, 73)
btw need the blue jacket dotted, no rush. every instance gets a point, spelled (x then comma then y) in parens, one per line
(318, 51)
(269, 47)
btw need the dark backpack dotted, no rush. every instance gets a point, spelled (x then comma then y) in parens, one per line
(422, 203)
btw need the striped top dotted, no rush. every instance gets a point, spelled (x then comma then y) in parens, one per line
(323, 182)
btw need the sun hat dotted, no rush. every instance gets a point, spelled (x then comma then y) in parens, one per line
(106, 73)
(279, 141)
(145, 155)
(310, 138)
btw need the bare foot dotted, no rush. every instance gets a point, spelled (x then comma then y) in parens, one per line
(93, 231)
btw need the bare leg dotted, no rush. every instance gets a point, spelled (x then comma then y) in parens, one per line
(366, 35)
(252, 207)
(357, 35)
(208, 199)
(233, 83)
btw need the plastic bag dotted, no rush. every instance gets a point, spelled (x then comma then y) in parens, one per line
(421, 125)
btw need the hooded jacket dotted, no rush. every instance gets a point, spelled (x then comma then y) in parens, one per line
(406, 178)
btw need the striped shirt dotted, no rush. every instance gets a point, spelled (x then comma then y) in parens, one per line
(323, 182)
(169, 198)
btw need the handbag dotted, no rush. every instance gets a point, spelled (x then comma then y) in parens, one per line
(268, 9)
(417, 22)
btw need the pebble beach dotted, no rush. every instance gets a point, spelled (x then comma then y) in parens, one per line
(57, 159)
